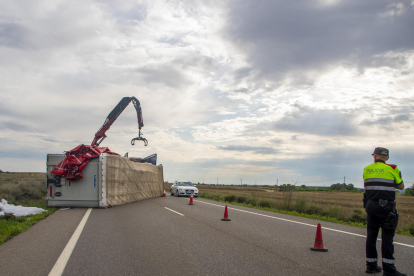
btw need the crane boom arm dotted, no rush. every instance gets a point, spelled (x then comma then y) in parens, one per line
(100, 134)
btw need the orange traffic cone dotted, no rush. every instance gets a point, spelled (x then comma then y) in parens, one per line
(226, 215)
(318, 246)
(191, 199)
(164, 193)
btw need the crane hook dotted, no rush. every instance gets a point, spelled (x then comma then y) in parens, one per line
(139, 138)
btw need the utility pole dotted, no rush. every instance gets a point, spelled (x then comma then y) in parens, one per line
(344, 180)
(241, 181)
(217, 180)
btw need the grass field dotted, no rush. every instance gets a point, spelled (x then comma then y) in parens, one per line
(22, 187)
(26, 189)
(344, 206)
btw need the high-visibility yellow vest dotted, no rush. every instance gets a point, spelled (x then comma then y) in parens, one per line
(380, 180)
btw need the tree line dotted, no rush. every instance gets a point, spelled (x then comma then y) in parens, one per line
(342, 187)
(409, 191)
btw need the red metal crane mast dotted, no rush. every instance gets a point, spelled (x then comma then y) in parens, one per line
(100, 134)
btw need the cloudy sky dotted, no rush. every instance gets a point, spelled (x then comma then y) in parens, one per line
(260, 90)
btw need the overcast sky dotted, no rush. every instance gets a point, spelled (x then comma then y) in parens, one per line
(296, 91)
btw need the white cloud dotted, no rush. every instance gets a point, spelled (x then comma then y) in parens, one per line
(226, 89)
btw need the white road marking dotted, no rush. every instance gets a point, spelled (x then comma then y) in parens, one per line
(60, 264)
(403, 244)
(335, 230)
(174, 211)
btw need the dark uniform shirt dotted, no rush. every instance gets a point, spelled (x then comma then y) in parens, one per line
(380, 180)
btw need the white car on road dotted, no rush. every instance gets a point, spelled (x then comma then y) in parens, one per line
(183, 189)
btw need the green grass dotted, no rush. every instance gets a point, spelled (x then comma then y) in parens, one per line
(12, 226)
(301, 208)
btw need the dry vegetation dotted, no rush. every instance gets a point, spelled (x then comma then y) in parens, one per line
(21, 187)
(346, 202)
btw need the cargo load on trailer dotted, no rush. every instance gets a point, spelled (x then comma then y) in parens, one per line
(109, 180)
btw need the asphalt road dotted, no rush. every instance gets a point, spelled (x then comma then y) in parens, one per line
(146, 238)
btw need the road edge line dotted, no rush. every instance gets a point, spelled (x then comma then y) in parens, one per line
(63, 259)
(302, 223)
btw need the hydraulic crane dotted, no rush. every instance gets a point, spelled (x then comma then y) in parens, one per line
(100, 134)
(76, 159)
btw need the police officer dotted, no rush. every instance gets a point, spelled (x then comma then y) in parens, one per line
(380, 182)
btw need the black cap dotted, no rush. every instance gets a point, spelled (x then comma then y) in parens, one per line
(381, 151)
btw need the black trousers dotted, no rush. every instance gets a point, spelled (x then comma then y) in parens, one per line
(376, 216)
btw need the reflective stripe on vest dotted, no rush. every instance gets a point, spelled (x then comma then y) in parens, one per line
(379, 180)
(380, 188)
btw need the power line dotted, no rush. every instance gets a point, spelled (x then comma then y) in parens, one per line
(355, 180)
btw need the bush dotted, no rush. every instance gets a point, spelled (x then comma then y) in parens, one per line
(218, 197)
(230, 197)
(301, 204)
(287, 200)
(335, 212)
(315, 210)
(264, 202)
(241, 199)
(359, 216)
(32, 191)
(207, 195)
(287, 187)
(411, 228)
(251, 200)
(409, 192)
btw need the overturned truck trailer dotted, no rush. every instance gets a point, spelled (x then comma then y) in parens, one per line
(108, 180)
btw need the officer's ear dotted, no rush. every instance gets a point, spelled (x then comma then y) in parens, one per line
(386, 158)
